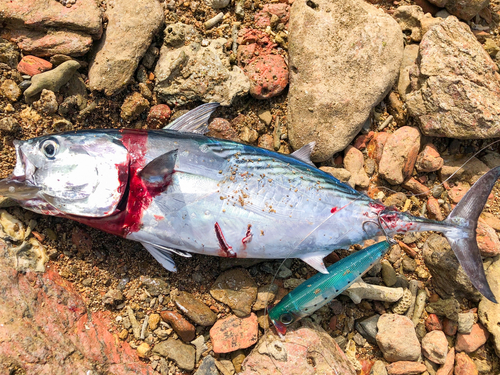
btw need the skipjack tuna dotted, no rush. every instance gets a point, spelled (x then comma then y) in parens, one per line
(320, 289)
(178, 191)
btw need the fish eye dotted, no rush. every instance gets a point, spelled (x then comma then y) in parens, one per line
(286, 318)
(49, 148)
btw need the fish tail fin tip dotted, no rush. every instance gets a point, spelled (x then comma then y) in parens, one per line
(462, 240)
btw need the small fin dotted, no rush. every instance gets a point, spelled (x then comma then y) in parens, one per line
(157, 174)
(163, 257)
(462, 235)
(304, 153)
(181, 253)
(316, 262)
(195, 121)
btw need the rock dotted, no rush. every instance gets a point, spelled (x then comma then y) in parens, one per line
(368, 328)
(323, 80)
(432, 323)
(489, 312)
(124, 43)
(435, 346)
(399, 155)
(408, 17)
(378, 368)
(51, 80)
(475, 169)
(268, 75)
(266, 141)
(280, 10)
(133, 106)
(409, 59)
(464, 365)
(388, 273)
(181, 326)
(154, 321)
(340, 174)
(12, 227)
(143, 350)
(207, 367)
(233, 333)
(265, 296)
(396, 200)
(305, 350)
(237, 289)
(155, 286)
(8, 53)
(158, 116)
(447, 368)
(464, 10)
(47, 103)
(397, 339)
(458, 89)
(10, 90)
(9, 125)
(429, 159)
(33, 65)
(445, 307)
(465, 322)
(217, 4)
(112, 297)
(470, 342)
(177, 351)
(491, 159)
(405, 368)
(376, 146)
(196, 310)
(450, 327)
(487, 218)
(448, 276)
(210, 77)
(353, 162)
(487, 240)
(434, 209)
(221, 128)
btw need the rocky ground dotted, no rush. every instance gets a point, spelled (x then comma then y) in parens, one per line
(397, 96)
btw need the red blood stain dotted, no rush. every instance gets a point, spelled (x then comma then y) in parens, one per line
(247, 238)
(227, 250)
(334, 209)
(159, 217)
(377, 206)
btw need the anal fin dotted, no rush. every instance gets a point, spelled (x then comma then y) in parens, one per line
(316, 262)
(163, 257)
(181, 253)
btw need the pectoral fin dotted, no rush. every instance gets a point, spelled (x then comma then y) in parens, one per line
(157, 174)
(316, 262)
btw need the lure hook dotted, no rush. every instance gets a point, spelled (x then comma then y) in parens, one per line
(378, 223)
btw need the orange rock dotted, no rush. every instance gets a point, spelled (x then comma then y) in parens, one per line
(32, 65)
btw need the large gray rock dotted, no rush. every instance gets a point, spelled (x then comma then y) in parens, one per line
(187, 71)
(462, 9)
(131, 27)
(456, 90)
(344, 56)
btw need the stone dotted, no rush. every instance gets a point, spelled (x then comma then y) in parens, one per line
(491, 220)
(433, 209)
(399, 155)
(353, 162)
(133, 106)
(450, 327)
(447, 368)
(280, 10)
(487, 240)
(112, 297)
(124, 43)
(232, 333)
(323, 80)
(51, 80)
(221, 128)
(217, 4)
(341, 174)
(47, 103)
(196, 310)
(181, 326)
(208, 71)
(408, 17)
(158, 116)
(491, 159)
(433, 323)
(201, 347)
(470, 342)
(409, 60)
(376, 145)
(207, 367)
(155, 285)
(405, 368)
(445, 307)
(448, 277)
(10, 90)
(465, 322)
(305, 350)
(489, 312)
(143, 350)
(368, 328)
(464, 365)
(435, 346)
(154, 321)
(457, 88)
(33, 65)
(378, 368)
(265, 296)
(396, 200)
(8, 53)
(397, 338)
(9, 125)
(464, 10)
(266, 141)
(237, 289)
(268, 75)
(429, 160)
(177, 351)
(388, 273)
(475, 169)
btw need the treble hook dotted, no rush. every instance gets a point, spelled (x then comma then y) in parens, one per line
(378, 223)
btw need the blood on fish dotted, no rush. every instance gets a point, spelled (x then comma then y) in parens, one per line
(224, 246)
(247, 238)
(334, 209)
(159, 217)
(377, 206)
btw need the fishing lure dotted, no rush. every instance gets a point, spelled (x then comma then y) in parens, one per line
(177, 191)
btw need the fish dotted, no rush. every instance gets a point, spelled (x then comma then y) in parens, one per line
(177, 191)
(320, 289)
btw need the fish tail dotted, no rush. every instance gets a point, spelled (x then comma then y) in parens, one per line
(462, 233)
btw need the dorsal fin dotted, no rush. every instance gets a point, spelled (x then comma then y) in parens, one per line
(195, 121)
(304, 153)
(157, 174)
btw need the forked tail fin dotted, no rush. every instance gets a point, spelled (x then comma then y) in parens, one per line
(463, 240)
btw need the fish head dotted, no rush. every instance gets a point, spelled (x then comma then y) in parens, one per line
(282, 317)
(83, 174)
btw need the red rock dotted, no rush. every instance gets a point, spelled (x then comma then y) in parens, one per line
(416, 187)
(464, 365)
(435, 346)
(361, 141)
(376, 146)
(262, 19)
(429, 159)
(158, 116)
(81, 240)
(233, 333)
(432, 323)
(181, 326)
(252, 43)
(434, 209)
(399, 155)
(268, 76)
(457, 192)
(32, 65)
(450, 327)
(333, 323)
(487, 240)
(221, 128)
(447, 368)
(266, 141)
(470, 342)
(405, 368)
(491, 220)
